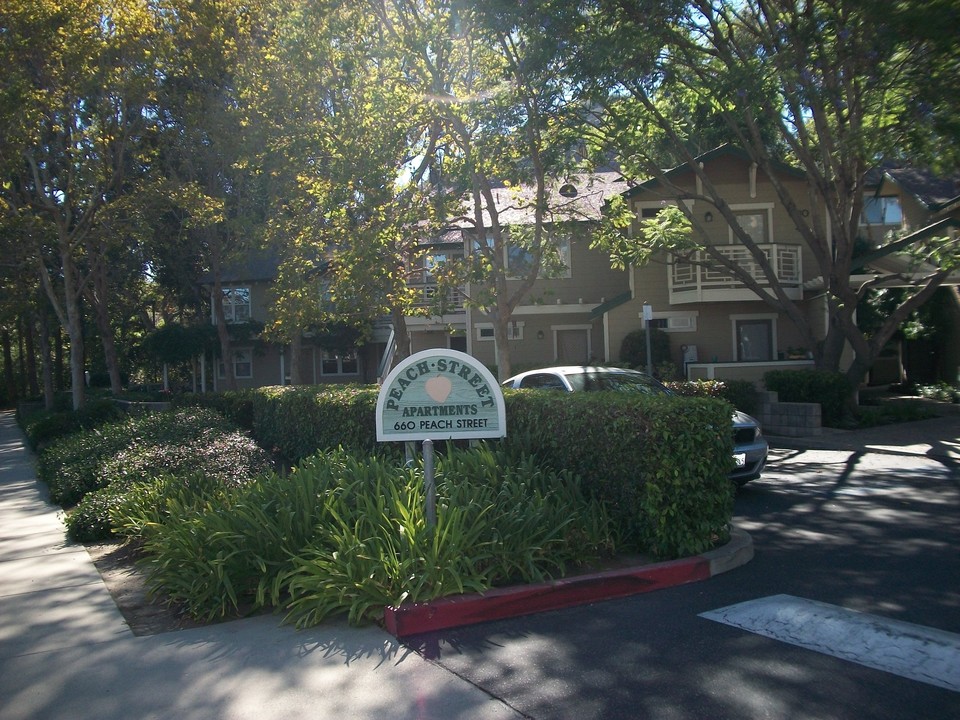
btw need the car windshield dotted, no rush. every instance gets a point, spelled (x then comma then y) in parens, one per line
(617, 382)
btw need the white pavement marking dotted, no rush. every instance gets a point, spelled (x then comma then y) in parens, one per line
(911, 651)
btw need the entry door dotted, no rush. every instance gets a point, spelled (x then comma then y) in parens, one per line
(573, 347)
(754, 340)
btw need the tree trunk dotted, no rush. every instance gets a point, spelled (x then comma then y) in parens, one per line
(504, 363)
(33, 389)
(58, 361)
(8, 375)
(46, 362)
(21, 359)
(97, 297)
(296, 349)
(401, 336)
(74, 334)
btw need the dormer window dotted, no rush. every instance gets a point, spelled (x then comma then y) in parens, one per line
(881, 211)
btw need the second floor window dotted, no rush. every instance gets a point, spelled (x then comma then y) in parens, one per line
(881, 211)
(236, 304)
(345, 363)
(555, 263)
(754, 224)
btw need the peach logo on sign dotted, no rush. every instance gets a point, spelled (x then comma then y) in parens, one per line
(438, 388)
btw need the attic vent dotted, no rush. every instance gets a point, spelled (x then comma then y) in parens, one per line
(568, 190)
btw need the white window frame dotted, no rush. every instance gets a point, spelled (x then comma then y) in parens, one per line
(765, 209)
(350, 356)
(774, 338)
(485, 331)
(883, 200)
(241, 356)
(230, 305)
(677, 320)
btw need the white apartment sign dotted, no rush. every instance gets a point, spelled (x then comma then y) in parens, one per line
(440, 395)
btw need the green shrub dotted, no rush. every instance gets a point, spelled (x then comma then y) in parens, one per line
(659, 464)
(75, 465)
(633, 349)
(89, 521)
(235, 405)
(215, 459)
(742, 394)
(940, 391)
(346, 534)
(46, 426)
(297, 422)
(831, 390)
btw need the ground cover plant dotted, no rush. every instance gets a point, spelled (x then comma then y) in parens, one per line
(45, 426)
(347, 534)
(91, 471)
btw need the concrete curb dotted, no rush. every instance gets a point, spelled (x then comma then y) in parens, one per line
(502, 603)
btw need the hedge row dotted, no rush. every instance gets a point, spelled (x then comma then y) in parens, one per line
(660, 464)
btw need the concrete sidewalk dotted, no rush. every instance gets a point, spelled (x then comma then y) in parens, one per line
(936, 438)
(67, 653)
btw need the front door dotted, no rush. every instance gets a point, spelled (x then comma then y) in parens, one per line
(573, 347)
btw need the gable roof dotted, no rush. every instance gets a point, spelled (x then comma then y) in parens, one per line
(934, 192)
(722, 151)
(578, 198)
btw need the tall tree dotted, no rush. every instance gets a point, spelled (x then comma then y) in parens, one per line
(79, 78)
(826, 85)
(496, 84)
(343, 142)
(215, 199)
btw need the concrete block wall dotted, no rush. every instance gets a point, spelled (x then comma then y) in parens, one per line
(789, 419)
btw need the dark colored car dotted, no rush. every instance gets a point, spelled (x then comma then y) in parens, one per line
(749, 445)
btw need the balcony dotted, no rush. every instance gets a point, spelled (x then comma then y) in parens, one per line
(691, 282)
(426, 297)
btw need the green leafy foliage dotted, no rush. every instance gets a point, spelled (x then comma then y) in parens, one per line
(46, 426)
(742, 394)
(132, 448)
(830, 389)
(297, 422)
(348, 534)
(659, 464)
(216, 459)
(633, 349)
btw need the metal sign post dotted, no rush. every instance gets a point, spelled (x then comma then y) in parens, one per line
(647, 318)
(429, 484)
(439, 395)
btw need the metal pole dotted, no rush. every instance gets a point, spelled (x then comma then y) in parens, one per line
(430, 487)
(647, 317)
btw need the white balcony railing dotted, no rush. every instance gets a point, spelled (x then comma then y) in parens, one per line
(703, 280)
(426, 296)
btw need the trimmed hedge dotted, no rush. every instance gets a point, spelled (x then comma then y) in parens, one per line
(660, 464)
(742, 394)
(296, 422)
(42, 428)
(77, 465)
(830, 389)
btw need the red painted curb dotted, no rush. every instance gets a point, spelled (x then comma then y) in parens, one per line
(501, 603)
